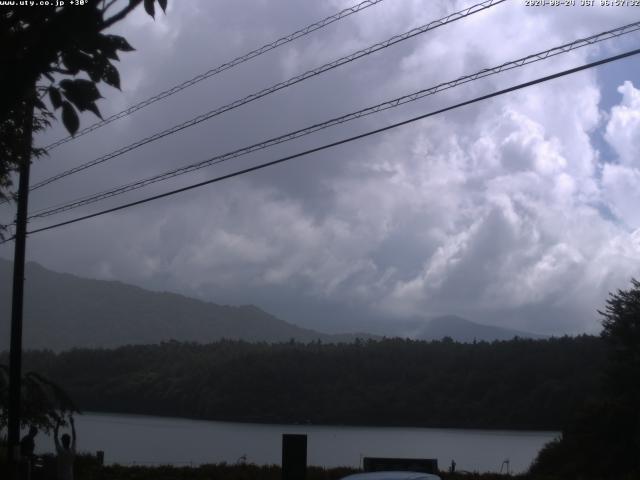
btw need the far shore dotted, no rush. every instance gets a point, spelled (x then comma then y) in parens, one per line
(332, 425)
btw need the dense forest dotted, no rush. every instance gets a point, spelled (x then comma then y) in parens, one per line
(521, 384)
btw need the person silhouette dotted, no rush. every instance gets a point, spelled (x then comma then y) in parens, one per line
(66, 452)
(27, 446)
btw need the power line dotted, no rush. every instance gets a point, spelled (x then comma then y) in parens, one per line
(219, 69)
(536, 57)
(279, 86)
(6, 240)
(346, 140)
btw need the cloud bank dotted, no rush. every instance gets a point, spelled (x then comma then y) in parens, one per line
(520, 211)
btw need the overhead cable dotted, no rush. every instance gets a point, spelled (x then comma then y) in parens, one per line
(536, 57)
(274, 88)
(219, 69)
(341, 142)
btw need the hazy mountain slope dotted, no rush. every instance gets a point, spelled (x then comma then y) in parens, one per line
(64, 311)
(463, 330)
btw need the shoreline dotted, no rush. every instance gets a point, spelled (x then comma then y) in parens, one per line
(328, 425)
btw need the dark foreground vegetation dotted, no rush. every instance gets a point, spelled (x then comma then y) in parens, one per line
(272, 472)
(518, 384)
(602, 438)
(88, 468)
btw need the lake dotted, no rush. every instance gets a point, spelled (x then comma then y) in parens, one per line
(144, 440)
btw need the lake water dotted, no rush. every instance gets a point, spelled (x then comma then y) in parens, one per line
(136, 439)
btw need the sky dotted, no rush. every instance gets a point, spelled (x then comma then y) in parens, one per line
(519, 211)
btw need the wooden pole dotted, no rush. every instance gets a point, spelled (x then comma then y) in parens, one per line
(15, 353)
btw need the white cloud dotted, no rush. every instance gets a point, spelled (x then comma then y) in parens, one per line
(621, 190)
(624, 125)
(532, 234)
(488, 210)
(621, 181)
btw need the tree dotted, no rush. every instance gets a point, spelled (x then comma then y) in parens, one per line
(621, 331)
(60, 54)
(603, 439)
(44, 403)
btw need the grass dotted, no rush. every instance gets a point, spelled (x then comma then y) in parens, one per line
(88, 468)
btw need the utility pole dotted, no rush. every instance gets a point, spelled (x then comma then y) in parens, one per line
(15, 353)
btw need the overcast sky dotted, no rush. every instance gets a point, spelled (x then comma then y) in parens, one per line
(520, 211)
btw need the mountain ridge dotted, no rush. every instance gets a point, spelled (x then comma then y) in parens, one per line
(463, 330)
(64, 311)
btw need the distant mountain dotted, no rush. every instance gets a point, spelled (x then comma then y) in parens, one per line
(463, 330)
(63, 311)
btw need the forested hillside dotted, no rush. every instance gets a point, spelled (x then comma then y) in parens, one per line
(528, 384)
(63, 311)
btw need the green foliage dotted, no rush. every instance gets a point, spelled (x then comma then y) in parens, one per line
(83, 94)
(44, 403)
(621, 331)
(14, 150)
(69, 117)
(528, 384)
(603, 438)
(45, 45)
(87, 468)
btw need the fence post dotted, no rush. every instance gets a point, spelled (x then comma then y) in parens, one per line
(294, 457)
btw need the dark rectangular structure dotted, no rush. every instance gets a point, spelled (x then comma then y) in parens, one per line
(379, 464)
(294, 457)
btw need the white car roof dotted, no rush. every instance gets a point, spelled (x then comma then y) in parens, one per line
(392, 476)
